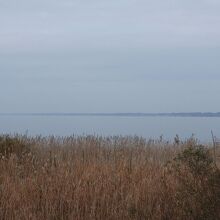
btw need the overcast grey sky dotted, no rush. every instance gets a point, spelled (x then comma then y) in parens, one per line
(109, 56)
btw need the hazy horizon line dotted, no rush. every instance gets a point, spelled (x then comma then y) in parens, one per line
(122, 114)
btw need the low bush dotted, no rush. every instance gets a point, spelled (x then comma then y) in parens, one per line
(197, 193)
(13, 146)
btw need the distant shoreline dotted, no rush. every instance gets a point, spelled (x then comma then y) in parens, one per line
(186, 114)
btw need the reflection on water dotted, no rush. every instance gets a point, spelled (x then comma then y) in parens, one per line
(148, 127)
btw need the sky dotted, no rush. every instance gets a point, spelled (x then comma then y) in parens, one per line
(109, 56)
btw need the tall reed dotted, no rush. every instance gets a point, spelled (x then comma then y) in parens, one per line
(91, 177)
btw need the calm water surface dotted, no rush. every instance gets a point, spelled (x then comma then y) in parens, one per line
(148, 127)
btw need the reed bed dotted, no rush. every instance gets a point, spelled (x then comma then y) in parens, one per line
(91, 177)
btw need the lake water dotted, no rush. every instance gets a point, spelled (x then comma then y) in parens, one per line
(148, 127)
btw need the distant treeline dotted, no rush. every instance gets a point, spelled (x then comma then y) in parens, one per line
(173, 114)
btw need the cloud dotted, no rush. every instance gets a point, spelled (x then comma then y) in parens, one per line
(54, 51)
(42, 25)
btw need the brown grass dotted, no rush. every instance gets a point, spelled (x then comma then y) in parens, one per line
(104, 178)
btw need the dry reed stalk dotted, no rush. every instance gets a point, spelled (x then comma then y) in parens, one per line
(90, 178)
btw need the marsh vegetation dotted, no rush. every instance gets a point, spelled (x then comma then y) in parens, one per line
(91, 177)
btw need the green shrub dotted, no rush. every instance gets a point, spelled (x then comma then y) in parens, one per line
(198, 184)
(197, 159)
(13, 145)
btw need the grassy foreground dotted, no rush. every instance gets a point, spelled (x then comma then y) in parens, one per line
(106, 178)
